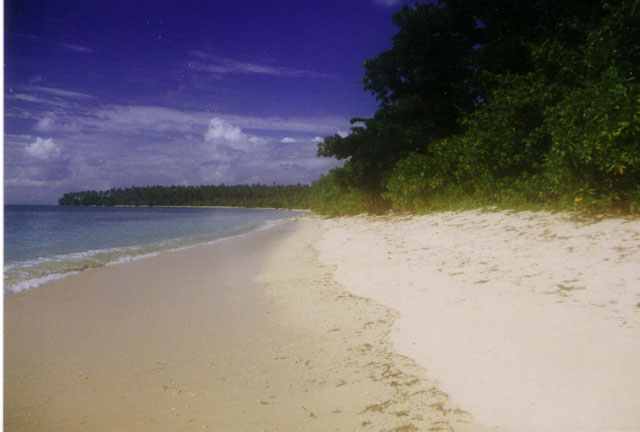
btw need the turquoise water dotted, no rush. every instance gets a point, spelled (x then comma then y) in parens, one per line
(42, 243)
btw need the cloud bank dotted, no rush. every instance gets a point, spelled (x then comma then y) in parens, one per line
(75, 144)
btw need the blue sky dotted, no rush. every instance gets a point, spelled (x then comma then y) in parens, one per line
(113, 94)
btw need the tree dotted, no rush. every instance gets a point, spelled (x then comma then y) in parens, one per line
(444, 62)
(491, 98)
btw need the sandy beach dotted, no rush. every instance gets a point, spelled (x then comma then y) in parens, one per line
(170, 342)
(529, 321)
(251, 333)
(455, 322)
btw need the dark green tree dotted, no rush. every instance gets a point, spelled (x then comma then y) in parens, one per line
(489, 99)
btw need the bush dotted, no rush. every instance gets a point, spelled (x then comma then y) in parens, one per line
(408, 185)
(595, 155)
(332, 197)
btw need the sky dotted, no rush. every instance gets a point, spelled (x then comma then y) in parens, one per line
(180, 92)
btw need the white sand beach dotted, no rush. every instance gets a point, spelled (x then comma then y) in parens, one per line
(455, 322)
(529, 321)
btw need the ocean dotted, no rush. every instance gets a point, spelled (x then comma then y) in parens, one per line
(43, 243)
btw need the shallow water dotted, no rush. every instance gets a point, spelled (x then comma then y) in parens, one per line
(44, 243)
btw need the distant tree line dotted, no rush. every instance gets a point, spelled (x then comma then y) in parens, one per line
(256, 195)
(492, 102)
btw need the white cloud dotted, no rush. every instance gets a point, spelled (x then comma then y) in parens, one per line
(15, 112)
(35, 99)
(144, 119)
(44, 124)
(317, 140)
(326, 124)
(288, 140)
(46, 95)
(130, 119)
(77, 48)
(343, 133)
(220, 129)
(57, 92)
(221, 132)
(43, 149)
(52, 122)
(223, 65)
(25, 182)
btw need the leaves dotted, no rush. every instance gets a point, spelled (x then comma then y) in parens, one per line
(490, 102)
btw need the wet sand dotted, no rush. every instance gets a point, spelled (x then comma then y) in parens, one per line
(196, 340)
(171, 342)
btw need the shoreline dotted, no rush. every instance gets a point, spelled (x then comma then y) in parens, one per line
(151, 345)
(166, 342)
(167, 206)
(139, 252)
(469, 321)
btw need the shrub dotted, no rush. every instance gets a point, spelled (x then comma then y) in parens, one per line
(595, 153)
(408, 185)
(332, 197)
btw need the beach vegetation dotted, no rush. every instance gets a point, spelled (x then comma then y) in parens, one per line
(491, 103)
(334, 195)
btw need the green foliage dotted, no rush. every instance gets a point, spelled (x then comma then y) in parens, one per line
(504, 138)
(331, 195)
(409, 183)
(502, 150)
(257, 195)
(594, 160)
(423, 80)
(417, 181)
(560, 130)
(595, 153)
(422, 84)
